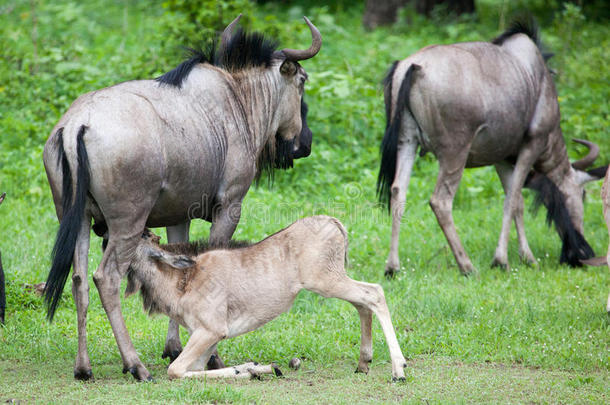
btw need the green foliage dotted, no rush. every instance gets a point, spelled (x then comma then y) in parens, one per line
(186, 21)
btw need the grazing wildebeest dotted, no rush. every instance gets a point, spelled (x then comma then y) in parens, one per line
(161, 152)
(476, 104)
(604, 260)
(2, 281)
(221, 293)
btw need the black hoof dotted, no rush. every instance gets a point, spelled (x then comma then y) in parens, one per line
(276, 370)
(134, 372)
(390, 274)
(400, 379)
(83, 375)
(172, 354)
(215, 363)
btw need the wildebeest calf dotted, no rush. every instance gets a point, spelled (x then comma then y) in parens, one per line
(226, 292)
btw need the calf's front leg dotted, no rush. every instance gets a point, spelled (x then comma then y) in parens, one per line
(201, 344)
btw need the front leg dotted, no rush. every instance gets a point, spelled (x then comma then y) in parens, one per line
(525, 160)
(451, 167)
(224, 221)
(505, 172)
(201, 344)
(173, 347)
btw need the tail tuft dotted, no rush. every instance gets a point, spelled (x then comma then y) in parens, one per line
(389, 144)
(72, 216)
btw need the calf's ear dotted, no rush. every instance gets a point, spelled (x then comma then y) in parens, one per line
(176, 261)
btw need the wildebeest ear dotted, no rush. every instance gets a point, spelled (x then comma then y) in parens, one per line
(288, 68)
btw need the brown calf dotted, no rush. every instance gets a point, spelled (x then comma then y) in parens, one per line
(227, 292)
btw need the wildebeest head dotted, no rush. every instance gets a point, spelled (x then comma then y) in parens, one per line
(249, 58)
(294, 137)
(565, 204)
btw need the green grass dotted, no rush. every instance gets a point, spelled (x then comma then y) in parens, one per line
(526, 335)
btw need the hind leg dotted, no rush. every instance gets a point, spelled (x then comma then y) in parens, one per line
(366, 338)
(404, 166)
(123, 240)
(370, 297)
(173, 347)
(80, 292)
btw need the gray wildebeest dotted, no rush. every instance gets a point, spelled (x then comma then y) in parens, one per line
(604, 260)
(225, 292)
(2, 282)
(161, 152)
(476, 104)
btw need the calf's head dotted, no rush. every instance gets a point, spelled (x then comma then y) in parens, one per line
(149, 261)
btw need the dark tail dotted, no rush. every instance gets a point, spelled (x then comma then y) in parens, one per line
(73, 211)
(574, 247)
(389, 145)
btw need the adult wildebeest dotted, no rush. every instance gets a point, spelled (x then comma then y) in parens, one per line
(221, 293)
(477, 104)
(604, 260)
(161, 152)
(2, 281)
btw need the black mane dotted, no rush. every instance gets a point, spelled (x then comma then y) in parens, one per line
(525, 26)
(242, 51)
(192, 249)
(574, 247)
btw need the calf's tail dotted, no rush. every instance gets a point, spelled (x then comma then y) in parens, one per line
(73, 210)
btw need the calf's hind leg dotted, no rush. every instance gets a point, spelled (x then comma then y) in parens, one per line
(366, 338)
(370, 297)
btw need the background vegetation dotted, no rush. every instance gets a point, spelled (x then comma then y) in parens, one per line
(529, 334)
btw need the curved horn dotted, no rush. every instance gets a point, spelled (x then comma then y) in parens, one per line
(588, 160)
(316, 43)
(226, 34)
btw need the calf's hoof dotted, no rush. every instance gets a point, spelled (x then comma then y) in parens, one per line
(83, 374)
(138, 372)
(399, 379)
(276, 370)
(215, 363)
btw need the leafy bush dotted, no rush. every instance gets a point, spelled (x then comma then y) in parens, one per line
(201, 19)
